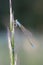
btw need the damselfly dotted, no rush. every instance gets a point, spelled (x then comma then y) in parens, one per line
(27, 33)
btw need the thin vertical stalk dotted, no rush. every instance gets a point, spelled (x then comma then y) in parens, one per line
(11, 35)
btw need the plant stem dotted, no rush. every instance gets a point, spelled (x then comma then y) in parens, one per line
(11, 38)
